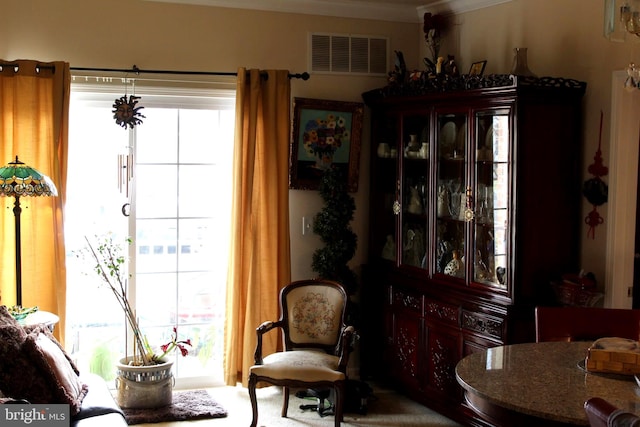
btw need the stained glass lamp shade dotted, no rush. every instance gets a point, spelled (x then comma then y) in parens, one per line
(19, 180)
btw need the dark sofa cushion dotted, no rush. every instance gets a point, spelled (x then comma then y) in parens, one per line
(64, 385)
(99, 408)
(107, 420)
(34, 366)
(17, 373)
(98, 401)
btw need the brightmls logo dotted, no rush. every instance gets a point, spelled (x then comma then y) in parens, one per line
(35, 415)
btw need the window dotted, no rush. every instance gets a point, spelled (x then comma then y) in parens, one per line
(179, 210)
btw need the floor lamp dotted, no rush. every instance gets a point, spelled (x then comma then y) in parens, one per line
(19, 180)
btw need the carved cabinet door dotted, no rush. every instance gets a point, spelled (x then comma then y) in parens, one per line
(404, 352)
(407, 348)
(443, 351)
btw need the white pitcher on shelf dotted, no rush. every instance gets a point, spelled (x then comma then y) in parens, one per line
(463, 206)
(443, 201)
(415, 203)
(384, 150)
(424, 150)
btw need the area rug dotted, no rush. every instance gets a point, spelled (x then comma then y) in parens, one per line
(186, 405)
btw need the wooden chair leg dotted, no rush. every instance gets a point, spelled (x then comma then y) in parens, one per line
(254, 402)
(285, 401)
(339, 403)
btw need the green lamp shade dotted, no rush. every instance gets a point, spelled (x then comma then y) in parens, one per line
(18, 180)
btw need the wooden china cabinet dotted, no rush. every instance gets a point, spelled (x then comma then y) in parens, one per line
(474, 210)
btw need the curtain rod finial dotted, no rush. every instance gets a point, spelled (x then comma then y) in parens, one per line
(303, 76)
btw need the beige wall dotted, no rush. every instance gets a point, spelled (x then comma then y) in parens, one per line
(564, 39)
(120, 33)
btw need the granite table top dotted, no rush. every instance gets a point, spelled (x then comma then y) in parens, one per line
(544, 380)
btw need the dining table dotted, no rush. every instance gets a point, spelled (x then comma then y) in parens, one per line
(539, 384)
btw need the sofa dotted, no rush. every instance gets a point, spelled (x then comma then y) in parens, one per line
(34, 368)
(98, 408)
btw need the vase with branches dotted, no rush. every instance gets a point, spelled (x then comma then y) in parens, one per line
(434, 27)
(108, 260)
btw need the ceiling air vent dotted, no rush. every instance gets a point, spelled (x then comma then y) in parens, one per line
(348, 54)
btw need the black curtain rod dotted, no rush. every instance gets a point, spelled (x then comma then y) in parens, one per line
(136, 70)
(38, 66)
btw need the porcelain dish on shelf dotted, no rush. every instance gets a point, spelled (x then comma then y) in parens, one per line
(448, 136)
(461, 137)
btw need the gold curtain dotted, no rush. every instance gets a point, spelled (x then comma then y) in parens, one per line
(34, 106)
(259, 264)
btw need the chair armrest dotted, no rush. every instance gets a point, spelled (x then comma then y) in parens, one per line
(10, 401)
(261, 330)
(621, 418)
(598, 411)
(602, 414)
(347, 339)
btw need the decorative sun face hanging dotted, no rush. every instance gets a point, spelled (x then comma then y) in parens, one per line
(126, 113)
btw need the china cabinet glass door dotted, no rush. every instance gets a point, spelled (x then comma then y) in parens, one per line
(491, 198)
(451, 194)
(414, 187)
(384, 186)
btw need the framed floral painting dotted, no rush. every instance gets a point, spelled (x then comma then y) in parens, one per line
(326, 134)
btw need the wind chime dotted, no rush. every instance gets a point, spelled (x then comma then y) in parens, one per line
(126, 113)
(595, 189)
(125, 176)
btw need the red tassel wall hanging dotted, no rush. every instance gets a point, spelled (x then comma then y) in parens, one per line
(595, 189)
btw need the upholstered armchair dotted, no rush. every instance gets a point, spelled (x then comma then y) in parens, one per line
(317, 344)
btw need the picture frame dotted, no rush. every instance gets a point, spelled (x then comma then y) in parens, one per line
(325, 134)
(477, 68)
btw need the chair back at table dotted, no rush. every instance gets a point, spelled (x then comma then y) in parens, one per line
(585, 323)
(603, 414)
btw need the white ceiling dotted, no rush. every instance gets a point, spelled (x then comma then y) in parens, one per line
(386, 10)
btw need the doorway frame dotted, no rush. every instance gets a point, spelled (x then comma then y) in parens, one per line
(621, 209)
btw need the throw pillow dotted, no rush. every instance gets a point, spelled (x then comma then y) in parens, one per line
(24, 373)
(45, 330)
(12, 361)
(64, 384)
(6, 318)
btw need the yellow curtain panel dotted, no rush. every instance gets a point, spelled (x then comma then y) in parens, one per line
(34, 113)
(260, 263)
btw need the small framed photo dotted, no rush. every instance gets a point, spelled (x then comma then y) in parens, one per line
(477, 68)
(326, 134)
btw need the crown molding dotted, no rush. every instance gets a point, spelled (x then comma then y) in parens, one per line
(456, 6)
(410, 11)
